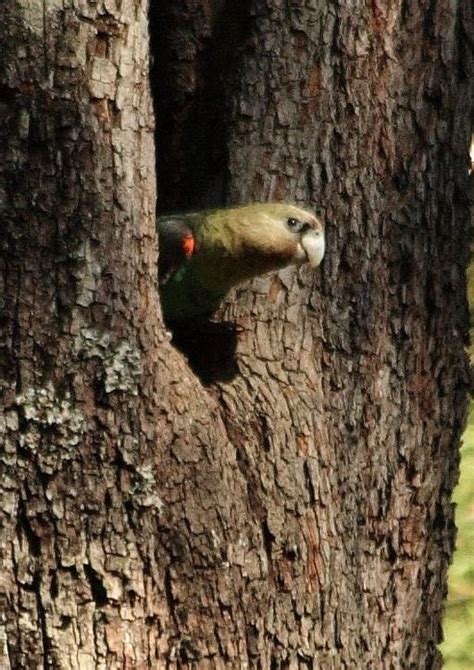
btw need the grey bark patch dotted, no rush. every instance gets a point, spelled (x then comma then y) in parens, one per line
(121, 361)
(144, 489)
(4, 655)
(36, 12)
(41, 409)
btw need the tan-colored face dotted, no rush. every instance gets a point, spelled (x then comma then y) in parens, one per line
(289, 231)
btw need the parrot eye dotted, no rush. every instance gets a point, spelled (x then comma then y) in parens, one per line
(297, 226)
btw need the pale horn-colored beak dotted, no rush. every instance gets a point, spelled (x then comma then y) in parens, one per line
(313, 244)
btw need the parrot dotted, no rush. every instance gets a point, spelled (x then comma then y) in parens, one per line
(203, 254)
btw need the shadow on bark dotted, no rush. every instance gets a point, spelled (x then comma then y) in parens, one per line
(209, 346)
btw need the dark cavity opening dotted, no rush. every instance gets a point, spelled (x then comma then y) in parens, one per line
(195, 48)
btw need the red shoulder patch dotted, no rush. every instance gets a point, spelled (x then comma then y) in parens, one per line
(188, 245)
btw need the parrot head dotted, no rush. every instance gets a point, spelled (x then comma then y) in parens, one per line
(287, 233)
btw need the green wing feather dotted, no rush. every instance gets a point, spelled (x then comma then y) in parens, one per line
(184, 297)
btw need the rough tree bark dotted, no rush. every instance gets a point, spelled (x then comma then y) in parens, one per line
(296, 513)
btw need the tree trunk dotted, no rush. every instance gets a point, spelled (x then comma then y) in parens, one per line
(281, 498)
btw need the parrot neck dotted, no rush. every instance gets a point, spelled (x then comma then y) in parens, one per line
(223, 273)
